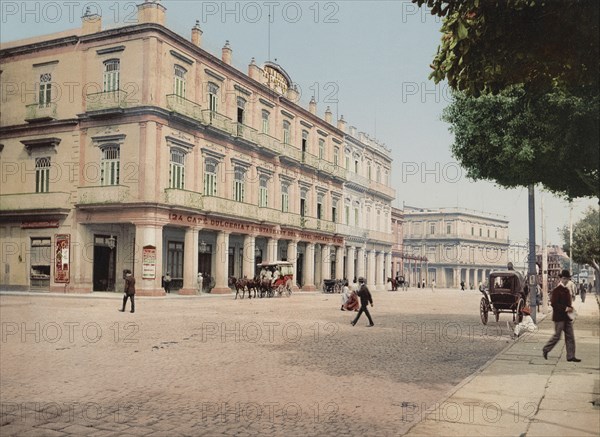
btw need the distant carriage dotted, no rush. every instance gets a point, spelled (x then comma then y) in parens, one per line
(507, 293)
(333, 285)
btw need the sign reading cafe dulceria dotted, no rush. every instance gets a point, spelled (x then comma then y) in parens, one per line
(219, 224)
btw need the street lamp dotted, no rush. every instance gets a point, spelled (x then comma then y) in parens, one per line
(111, 242)
(203, 247)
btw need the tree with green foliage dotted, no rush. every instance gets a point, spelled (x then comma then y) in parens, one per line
(586, 240)
(516, 140)
(489, 45)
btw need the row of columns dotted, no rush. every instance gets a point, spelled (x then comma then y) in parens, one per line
(373, 265)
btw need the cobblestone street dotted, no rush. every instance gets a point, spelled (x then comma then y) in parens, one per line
(212, 365)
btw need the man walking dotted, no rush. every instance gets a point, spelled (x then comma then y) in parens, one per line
(365, 298)
(561, 309)
(129, 291)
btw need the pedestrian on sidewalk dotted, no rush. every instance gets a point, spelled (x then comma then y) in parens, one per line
(365, 298)
(582, 291)
(462, 285)
(167, 282)
(526, 324)
(562, 307)
(129, 291)
(572, 289)
(200, 282)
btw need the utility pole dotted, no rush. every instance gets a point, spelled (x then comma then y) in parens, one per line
(571, 237)
(544, 262)
(531, 275)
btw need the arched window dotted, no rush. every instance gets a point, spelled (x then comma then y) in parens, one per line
(213, 97)
(110, 165)
(210, 177)
(177, 169)
(263, 191)
(42, 174)
(239, 185)
(287, 134)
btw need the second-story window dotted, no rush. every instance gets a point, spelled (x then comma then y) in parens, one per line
(356, 166)
(304, 141)
(336, 155)
(472, 230)
(110, 165)
(334, 204)
(239, 187)
(179, 81)
(112, 69)
(448, 229)
(42, 175)
(213, 97)
(347, 214)
(263, 192)
(356, 216)
(45, 90)
(378, 174)
(287, 137)
(319, 206)
(285, 197)
(495, 234)
(210, 177)
(321, 148)
(303, 202)
(265, 121)
(369, 173)
(432, 228)
(378, 221)
(177, 169)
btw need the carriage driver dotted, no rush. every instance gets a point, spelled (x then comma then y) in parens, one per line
(276, 275)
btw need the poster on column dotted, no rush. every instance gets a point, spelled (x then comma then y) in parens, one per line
(148, 262)
(61, 259)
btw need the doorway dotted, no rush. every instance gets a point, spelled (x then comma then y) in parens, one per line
(105, 248)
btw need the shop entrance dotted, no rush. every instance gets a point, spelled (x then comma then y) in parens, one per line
(105, 248)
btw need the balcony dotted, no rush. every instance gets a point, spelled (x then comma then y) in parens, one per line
(219, 121)
(106, 102)
(382, 189)
(185, 107)
(188, 199)
(386, 237)
(271, 143)
(358, 179)
(231, 208)
(103, 195)
(351, 231)
(42, 202)
(40, 112)
(246, 132)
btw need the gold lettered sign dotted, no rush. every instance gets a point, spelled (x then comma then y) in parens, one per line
(277, 81)
(62, 264)
(148, 262)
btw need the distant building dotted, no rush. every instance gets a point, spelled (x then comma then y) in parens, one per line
(556, 259)
(459, 244)
(518, 253)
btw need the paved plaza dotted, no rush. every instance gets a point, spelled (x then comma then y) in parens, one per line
(211, 365)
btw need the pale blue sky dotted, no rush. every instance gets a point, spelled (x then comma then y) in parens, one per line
(369, 61)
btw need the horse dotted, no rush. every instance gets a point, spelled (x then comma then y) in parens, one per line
(239, 284)
(394, 285)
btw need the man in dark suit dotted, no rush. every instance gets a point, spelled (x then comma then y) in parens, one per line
(562, 306)
(365, 298)
(129, 291)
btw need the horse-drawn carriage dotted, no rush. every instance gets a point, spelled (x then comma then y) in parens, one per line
(506, 293)
(333, 285)
(275, 278)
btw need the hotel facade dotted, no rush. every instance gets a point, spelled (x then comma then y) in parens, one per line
(456, 245)
(134, 148)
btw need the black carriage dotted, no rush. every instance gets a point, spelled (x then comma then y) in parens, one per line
(332, 285)
(506, 293)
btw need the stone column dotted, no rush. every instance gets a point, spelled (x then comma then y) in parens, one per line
(326, 261)
(221, 264)
(360, 257)
(190, 262)
(379, 280)
(272, 249)
(339, 263)
(292, 256)
(371, 268)
(319, 265)
(350, 273)
(388, 267)
(248, 259)
(456, 278)
(309, 268)
(148, 235)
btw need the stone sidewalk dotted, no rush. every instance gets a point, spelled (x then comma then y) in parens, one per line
(520, 394)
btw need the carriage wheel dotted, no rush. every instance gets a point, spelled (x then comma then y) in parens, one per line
(483, 311)
(497, 314)
(518, 317)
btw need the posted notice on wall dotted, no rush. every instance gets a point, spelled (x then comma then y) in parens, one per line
(148, 262)
(61, 259)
